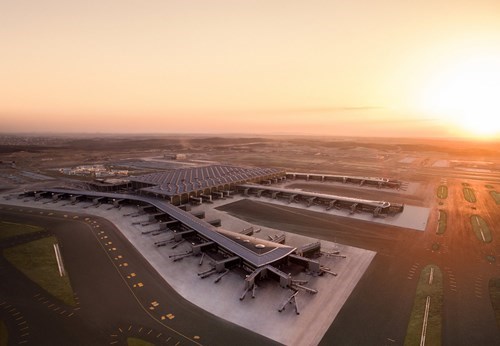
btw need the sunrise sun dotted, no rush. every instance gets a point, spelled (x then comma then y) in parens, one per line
(466, 94)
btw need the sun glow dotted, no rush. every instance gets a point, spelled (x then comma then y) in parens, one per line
(467, 94)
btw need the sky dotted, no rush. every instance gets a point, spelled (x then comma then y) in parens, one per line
(428, 68)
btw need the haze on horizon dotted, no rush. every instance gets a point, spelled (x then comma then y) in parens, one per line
(352, 68)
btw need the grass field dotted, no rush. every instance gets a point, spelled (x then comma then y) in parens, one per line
(434, 322)
(442, 222)
(480, 228)
(3, 334)
(38, 262)
(442, 191)
(496, 196)
(469, 195)
(138, 342)
(495, 297)
(10, 229)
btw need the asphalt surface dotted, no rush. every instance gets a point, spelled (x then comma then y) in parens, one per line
(119, 294)
(378, 310)
(376, 195)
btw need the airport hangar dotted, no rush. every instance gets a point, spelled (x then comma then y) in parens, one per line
(157, 195)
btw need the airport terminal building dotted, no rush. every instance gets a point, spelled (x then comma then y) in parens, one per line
(185, 185)
(202, 184)
(164, 198)
(258, 257)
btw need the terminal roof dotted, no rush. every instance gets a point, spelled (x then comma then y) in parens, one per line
(185, 180)
(255, 257)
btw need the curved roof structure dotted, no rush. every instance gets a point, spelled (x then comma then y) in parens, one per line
(185, 180)
(255, 256)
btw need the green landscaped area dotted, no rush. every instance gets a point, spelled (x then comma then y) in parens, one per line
(496, 196)
(434, 321)
(3, 334)
(11, 229)
(442, 191)
(469, 195)
(494, 286)
(138, 342)
(441, 222)
(38, 262)
(480, 228)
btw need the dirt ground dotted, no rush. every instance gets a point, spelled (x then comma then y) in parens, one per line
(378, 310)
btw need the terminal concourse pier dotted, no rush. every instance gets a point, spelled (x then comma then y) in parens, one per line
(260, 258)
